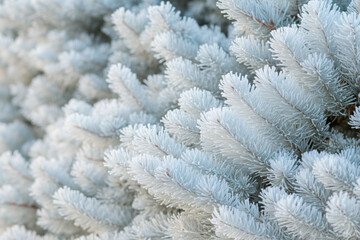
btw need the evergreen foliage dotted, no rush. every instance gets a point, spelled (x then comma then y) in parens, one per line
(228, 119)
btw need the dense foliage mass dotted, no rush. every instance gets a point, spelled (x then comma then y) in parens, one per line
(141, 119)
